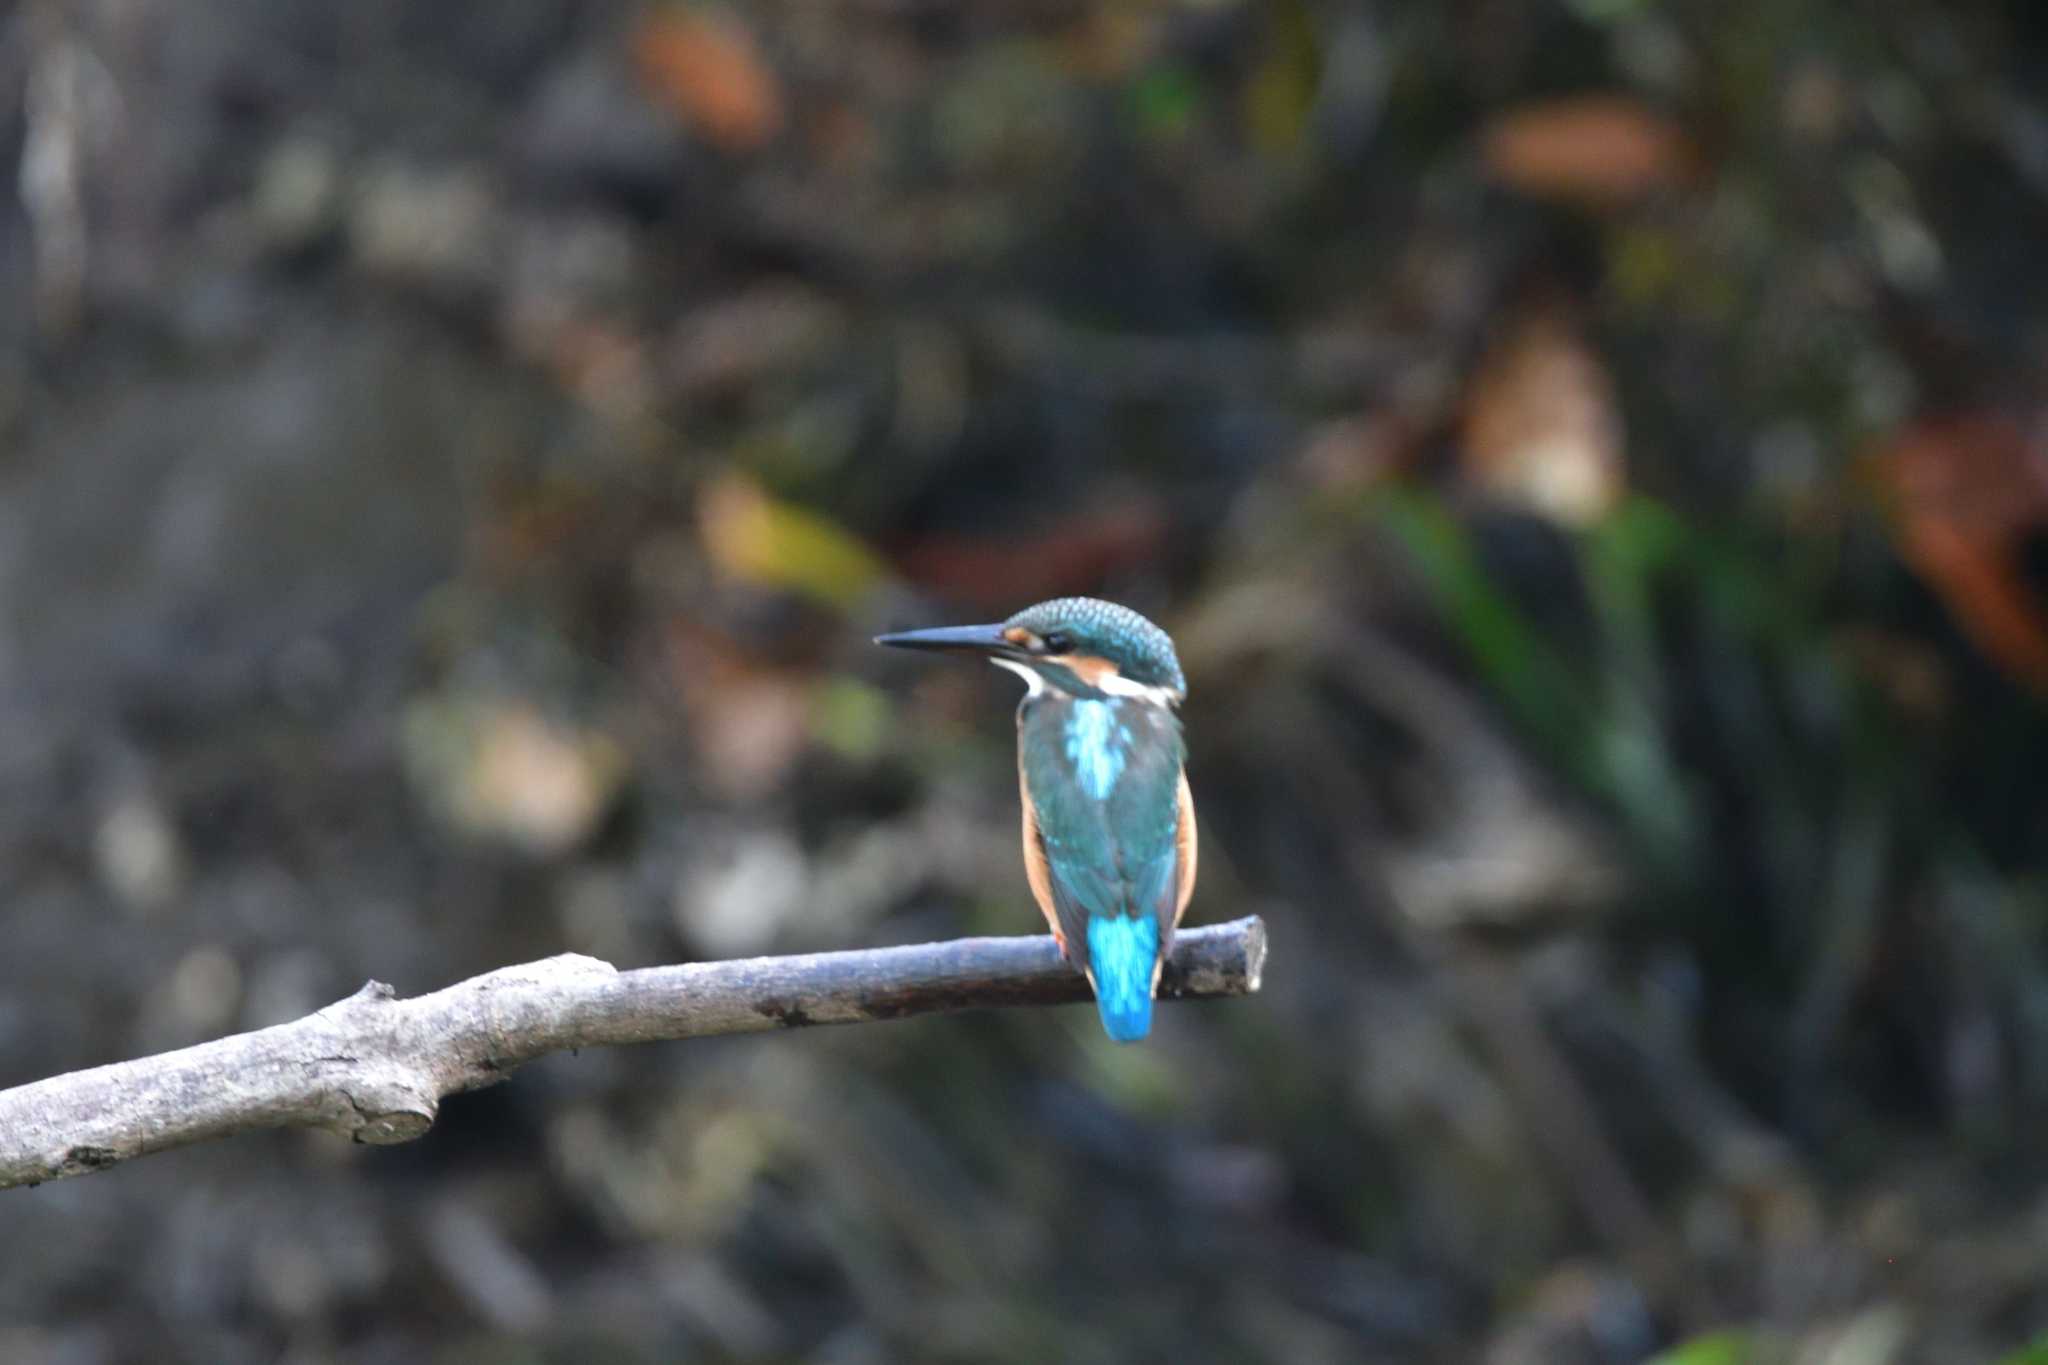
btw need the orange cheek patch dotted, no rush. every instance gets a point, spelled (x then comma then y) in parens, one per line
(1089, 668)
(1018, 636)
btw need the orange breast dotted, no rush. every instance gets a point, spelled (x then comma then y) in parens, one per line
(1035, 869)
(1185, 849)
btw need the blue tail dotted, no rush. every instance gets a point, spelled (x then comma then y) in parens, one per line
(1122, 949)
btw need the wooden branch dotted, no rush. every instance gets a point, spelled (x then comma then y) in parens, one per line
(374, 1067)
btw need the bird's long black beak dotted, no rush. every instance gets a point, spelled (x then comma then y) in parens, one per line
(973, 639)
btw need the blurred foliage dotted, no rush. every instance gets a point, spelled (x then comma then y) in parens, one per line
(1592, 454)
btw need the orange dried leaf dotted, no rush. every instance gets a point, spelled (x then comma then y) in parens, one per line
(1990, 599)
(1967, 490)
(706, 66)
(1600, 150)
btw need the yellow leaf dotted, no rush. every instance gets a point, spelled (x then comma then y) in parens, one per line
(1282, 91)
(761, 540)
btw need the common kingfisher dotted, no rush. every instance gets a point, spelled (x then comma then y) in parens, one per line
(1109, 824)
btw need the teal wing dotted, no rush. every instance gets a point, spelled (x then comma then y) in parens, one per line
(1105, 794)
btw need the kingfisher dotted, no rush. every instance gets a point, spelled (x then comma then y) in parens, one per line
(1109, 824)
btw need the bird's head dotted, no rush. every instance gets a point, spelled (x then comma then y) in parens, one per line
(1082, 646)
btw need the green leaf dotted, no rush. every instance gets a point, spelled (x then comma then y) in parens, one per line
(851, 718)
(1607, 11)
(1546, 696)
(1165, 102)
(1716, 1348)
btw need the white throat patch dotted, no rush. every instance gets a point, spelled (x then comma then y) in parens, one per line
(1031, 676)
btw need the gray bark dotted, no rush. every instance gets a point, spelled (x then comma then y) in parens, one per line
(374, 1068)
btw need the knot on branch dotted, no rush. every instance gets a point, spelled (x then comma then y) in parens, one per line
(384, 1112)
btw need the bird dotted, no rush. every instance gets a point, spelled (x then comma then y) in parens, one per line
(1108, 818)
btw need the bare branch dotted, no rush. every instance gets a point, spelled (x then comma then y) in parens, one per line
(374, 1067)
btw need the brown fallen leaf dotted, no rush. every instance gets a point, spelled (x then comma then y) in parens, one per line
(1541, 426)
(524, 527)
(1003, 572)
(1361, 451)
(605, 367)
(1908, 671)
(705, 65)
(1598, 151)
(767, 329)
(750, 718)
(1106, 42)
(844, 139)
(501, 769)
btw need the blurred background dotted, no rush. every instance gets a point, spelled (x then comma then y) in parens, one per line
(1593, 455)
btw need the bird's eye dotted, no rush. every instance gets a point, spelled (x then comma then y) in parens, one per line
(1057, 642)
